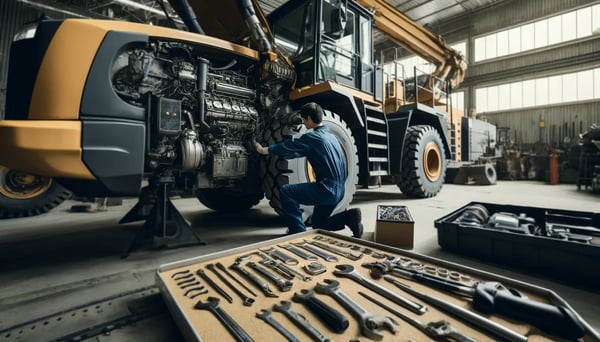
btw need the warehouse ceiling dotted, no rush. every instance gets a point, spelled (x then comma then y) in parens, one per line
(426, 12)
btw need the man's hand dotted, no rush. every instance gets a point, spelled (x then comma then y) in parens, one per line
(260, 149)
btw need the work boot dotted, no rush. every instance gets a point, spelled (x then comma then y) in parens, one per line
(353, 218)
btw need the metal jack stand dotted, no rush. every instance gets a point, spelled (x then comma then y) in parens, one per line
(165, 227)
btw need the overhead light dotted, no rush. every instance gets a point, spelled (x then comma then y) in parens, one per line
(137, 5)
(52, 8)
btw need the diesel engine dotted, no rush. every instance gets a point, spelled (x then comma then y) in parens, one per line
(200, 115)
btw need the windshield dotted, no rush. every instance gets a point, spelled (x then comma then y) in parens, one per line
(294, 30)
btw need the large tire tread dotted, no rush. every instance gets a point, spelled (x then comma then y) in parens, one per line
(413, 181)
(55, 195)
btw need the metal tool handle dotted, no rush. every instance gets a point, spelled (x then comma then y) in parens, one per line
(255, 279)
(328, 315)
(281, 256)
(467, 315)
(298, 252)
(493, 297)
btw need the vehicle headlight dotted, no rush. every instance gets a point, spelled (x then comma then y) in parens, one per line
(26, 32)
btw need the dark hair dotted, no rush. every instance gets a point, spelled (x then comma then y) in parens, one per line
(313, 110)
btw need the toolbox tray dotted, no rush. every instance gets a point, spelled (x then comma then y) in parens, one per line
(199, 325)
(574, 262)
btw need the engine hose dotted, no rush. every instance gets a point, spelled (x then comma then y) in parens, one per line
(247, 9)
(202, 82)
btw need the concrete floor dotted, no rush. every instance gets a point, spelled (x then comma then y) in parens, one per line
(60, 260)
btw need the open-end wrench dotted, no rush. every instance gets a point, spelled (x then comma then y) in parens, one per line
(368, 322)
(299, 252)
(276, 266)
(277, 254)
(294, 272)
(265, 315)
(283, 284)
(247, 301)
(212, 305)
(263, 285)
(348, 271)
(328, 315)
(316, 251)
(438, 330)
(285, 307)
(226, 271)
(335, 250)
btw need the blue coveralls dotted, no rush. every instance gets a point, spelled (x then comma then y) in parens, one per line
(324, 153)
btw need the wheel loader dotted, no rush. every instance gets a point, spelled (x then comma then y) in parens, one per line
(112, 108)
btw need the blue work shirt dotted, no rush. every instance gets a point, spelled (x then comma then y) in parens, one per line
(323, 151)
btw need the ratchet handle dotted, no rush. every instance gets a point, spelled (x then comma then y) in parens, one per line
(493, 297)
(327, 314)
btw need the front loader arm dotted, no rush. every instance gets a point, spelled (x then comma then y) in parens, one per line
(413, 36)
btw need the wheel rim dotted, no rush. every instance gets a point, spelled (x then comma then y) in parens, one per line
(22, 185)
(432, 161)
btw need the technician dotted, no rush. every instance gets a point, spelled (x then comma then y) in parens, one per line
(325, 154)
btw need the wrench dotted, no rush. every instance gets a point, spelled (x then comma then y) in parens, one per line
(438, 330)
(328, 315)
(348, 271)
(318, 252)
(284, 285)
(275, 266)
(288, 260)
(368, 322)
(212, 305)
(265, 315)
(247, 301)
(226, 271)
(335, 250)
(298, 252)
(255, 279)
(296, 273)
(286, 308)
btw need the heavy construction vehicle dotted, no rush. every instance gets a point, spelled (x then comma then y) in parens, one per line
(102, 105)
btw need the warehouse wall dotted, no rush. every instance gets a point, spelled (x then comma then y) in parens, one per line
(581, 54)
(558, 122)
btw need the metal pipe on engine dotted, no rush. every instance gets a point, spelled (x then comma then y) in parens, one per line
(234, 90)
(247, 9)
(202, 79)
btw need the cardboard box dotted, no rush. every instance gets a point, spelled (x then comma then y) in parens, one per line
(395, 226)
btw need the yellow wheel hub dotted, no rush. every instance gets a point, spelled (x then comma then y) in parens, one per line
(432, 161)
(22, 185)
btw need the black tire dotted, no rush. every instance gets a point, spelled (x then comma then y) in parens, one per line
(23, 194)
(228, 200)
(423, 162)
(278, 171)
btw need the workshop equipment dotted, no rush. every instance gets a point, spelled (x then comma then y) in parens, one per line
(561, 243)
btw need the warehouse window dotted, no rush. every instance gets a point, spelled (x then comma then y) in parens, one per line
(457, 100)
(561, 28)
(543, 91)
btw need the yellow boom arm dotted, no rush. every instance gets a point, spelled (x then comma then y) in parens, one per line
(419, 40)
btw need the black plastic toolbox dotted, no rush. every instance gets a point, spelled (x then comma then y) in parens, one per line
(574, 262)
